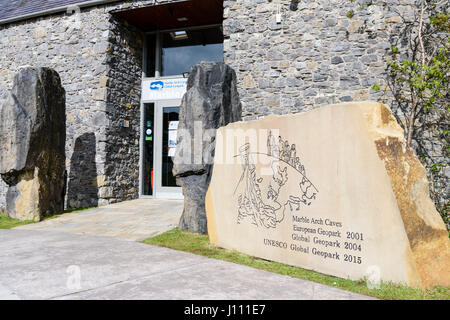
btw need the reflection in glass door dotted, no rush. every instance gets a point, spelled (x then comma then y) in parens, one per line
(170, 126)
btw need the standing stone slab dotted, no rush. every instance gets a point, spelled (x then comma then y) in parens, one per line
(211, 101)
(32, 141)
(335, 190)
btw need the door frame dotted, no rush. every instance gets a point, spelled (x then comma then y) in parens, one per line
(158, 190)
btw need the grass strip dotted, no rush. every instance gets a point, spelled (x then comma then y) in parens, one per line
(8, 223)
(199, 244)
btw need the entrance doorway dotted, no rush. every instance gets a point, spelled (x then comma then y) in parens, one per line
(160, 140)
(177, 35)
(168, 58)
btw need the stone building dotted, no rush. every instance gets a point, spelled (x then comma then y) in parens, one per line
(124, 65)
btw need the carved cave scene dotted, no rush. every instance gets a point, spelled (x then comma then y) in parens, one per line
(264, 201)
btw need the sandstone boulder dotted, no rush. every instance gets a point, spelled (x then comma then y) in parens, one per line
(335, 190)
(32, 141)
(211, 101)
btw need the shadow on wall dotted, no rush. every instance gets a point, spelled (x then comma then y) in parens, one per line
(122, 155)
(82, 189)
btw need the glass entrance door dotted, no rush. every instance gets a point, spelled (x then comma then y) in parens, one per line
(166, 126)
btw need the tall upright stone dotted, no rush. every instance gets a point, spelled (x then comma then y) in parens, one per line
(32, 142)
(211, 101)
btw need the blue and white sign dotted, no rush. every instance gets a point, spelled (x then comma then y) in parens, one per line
(156, 85)
(164, 89)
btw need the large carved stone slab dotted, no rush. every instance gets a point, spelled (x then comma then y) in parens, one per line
(32, 142)
(333, 190)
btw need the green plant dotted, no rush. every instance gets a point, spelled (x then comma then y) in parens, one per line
(418, 76)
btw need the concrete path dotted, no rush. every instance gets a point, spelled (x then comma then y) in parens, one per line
(133, 220)
(63, 265)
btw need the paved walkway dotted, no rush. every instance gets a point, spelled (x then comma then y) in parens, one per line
(45, 260)
(133, 220)
(63, 265)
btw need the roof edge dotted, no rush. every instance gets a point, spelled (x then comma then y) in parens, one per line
(55, 10)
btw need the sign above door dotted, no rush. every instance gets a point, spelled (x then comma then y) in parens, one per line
(163, 89)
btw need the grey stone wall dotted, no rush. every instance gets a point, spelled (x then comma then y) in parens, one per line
(124, 60)
(315, 56)
(73, 45)
(120, 179)
(99, 61)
